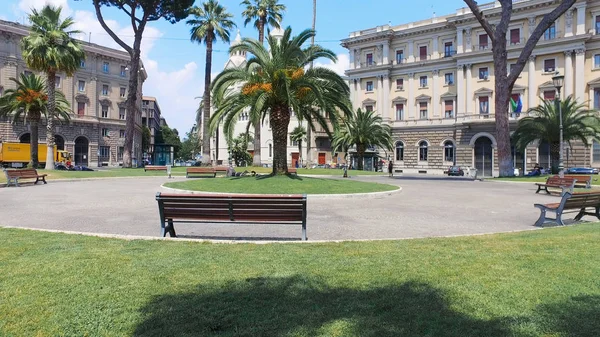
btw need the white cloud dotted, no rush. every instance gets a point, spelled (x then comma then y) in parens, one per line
(24, 6)
(342, 64)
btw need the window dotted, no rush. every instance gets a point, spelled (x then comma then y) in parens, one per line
(369, 59)
(104, 111)
(270, 150)
(448, 49)
(423, 151)
(449, 151)
(105, 90)
(549, 65)
(483, 41)
(120, 152)
(121, 133)
(400, 84)
(122, 92)
(484, 105)
(80, 108)
(515, 36)
(423, 110)
(483, 73)
(549, 95)
(105, 67)
(399, 112)
(449, 109)
(449, 78)
(121, 113)
(123, 71)
(82, 64)
(597, 61)
(596, 151)
(399, 56)
(369, 108)
(369, 85)
(399, 151)
(104, 151)
(423, 53)
(597, 99)
(81, 86)
(550, 33)
(423, 81)
(105, 132)
(597, 24)
(57, 82)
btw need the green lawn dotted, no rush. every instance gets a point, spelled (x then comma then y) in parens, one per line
(536, 283)
(280, 185)
(538, 179)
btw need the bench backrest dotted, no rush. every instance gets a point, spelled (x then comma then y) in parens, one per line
(22, 173)
(580, 177)
(558, 181)
(577, 200)
(221, 168)
(200, 170)
(250, 208)
(155, 167)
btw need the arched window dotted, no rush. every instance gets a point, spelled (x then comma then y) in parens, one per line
(449, 151)
(423, 150)
(399, 151)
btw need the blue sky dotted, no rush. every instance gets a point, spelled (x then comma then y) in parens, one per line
(175, 65)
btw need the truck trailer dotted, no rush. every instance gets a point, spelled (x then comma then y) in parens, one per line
(19, 154)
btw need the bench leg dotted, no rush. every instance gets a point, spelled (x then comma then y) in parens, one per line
(542, 219)
(538, 190)
(559, 219)
(580, 214)
(304, 232)
(44, 180)
(171, 229)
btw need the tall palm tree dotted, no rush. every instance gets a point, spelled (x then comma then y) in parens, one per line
(211, 22)
(51, 48)
(29, 101)
(298, 135)
(363, 130)
(312, 43)
(264, 13)
(275, 83)
(543, 124)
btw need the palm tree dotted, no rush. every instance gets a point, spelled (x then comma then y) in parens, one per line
(264, 13)
(543, 124)
(211, 22)
(312, 43)
(275, 83)
(29, 101)
(298, 135)
(364, 129)
(50, 48)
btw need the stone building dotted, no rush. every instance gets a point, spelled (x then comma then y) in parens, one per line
(97, 92)
(433, 82)
(151, 117)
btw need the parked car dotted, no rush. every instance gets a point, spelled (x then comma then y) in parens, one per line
(455, 171)
(582, 170)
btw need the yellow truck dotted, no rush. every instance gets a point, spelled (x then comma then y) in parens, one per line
(18, 154)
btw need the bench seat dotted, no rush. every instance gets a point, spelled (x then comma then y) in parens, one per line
(13, 176)
(566, 184)
(155, 168)
(577, 202)
(200, 171)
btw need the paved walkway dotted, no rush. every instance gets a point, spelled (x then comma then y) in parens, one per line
(426, 207)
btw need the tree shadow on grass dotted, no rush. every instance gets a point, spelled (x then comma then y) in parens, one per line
(300, 306)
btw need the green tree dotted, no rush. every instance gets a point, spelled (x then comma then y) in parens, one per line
(140, 12)
(364, 129)
(210, 22)
(238, 149)
(275, 82)
(29, 101)
(298, 135)
(543, 125)
(190, 146)
(51, 48)
(146, 136)
(265, 13)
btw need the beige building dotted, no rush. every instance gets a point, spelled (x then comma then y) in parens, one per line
(97, 93)
(433, 81)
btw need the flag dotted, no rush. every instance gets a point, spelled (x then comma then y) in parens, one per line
(516, 106)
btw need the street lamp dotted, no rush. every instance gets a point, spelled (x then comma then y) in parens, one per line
(558, 81)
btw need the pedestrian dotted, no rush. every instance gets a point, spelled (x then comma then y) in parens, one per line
(391, 168)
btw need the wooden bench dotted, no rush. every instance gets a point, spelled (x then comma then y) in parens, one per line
(230, 209)
(221, 169)
(581, 181)
(196, 171)
(566, 184)
(569, 201)
(292, 170)
(13, 176)
(154, 168)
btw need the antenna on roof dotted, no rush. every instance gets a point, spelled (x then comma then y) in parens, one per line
(433, 11)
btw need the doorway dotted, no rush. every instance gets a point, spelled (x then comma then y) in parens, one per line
(60, 142)
(484, 156)
(81, 151)
(295, 159)
(321, 158)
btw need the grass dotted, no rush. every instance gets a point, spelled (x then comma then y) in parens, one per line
(540, 179)
(280, 185)
(535, 283)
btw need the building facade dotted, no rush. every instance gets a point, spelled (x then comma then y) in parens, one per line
(151, 116)
(433, 82)
(95, 134)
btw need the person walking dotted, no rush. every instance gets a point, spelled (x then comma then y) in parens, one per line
(391, 168)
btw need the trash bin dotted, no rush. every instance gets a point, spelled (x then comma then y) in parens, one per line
(169, 170)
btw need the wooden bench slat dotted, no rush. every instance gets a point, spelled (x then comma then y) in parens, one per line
(569, 201)
(13, 176)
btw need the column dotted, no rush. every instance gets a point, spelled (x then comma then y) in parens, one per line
(92, 94)
(531, 87)
(568, 90)
(411, 51)
(581, 19)
(579, 69)
(435, 102)
(569, 23)
(386, 52)
(351, 52)
(380, 96)
(459, 40)
(468, 92)
(469, 40)
(410, 104)
(435, 53)
(352, 85)
(460, 91)
(386, 97)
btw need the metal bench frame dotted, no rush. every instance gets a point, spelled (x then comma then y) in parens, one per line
(564, 188)
(581, 203)
(14, 176)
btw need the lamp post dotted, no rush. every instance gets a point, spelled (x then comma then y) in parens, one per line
(558, 81)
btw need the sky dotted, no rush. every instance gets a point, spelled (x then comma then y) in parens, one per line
(176, 66)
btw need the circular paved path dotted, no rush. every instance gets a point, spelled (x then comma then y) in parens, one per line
(425, 207)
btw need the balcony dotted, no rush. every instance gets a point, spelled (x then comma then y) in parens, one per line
(514, 42)
(401, 60)
(551, 35)
(368, 64)
(449, 53)
(482, 47)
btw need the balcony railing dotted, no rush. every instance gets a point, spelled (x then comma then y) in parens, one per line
(449, 53)
(368, 64)
(399, 61)
(515, 42)
(482, 47)
(551, 35)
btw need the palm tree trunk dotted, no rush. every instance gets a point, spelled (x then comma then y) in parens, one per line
(308, 129)
(51, 82)
(300, 153)
(256, 159)
(360, 152)
(280, 120)
(206, 101)
(33, 143)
